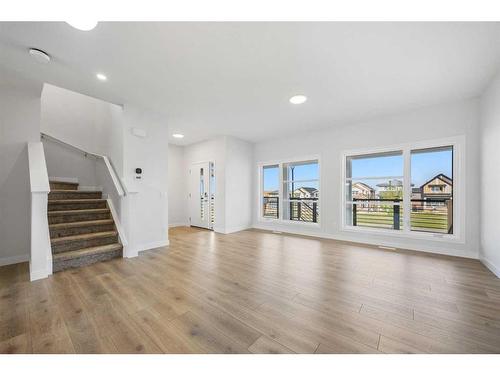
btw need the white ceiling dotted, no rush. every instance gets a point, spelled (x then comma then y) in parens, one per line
(236, 78)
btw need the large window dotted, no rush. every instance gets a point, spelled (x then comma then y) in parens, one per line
(301, 191)
(290, 191)
(406, 190)
(270, 191)
(374, 188)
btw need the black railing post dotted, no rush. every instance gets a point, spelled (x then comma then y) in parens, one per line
(315, 212)
(277, 207)
(299, 211)
(396, 216)
(354, 215)
(291, 210)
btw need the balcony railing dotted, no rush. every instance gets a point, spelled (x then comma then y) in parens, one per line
(304, 209)
(270, 207)
(297, 209)
(427, 215)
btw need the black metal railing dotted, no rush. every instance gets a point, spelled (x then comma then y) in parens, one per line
(304, 209)
(271, 207)
(429, 215)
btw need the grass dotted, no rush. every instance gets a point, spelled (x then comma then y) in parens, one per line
(420, 220)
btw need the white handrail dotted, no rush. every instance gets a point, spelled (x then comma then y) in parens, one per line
(114, 176)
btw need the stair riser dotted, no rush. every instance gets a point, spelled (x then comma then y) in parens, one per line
(58, 219)
(76, 206)
(62, 186)
(75, 195)
(64, 232)
(81, 244)
(60, 265)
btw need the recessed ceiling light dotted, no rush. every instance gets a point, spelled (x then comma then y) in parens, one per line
(39, 55)
(298, 99)
(177, 135)
(84, 25)
(101, 77)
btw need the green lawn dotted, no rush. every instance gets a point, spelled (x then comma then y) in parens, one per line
(422, 220)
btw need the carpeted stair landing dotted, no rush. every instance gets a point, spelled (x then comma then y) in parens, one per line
(82, 230)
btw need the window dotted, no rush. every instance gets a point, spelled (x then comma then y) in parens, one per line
(270, 191)
(290, 191)
(432, 190)
(301, 191)
(407, 190)
(374, 190)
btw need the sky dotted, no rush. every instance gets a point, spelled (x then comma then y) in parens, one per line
(424, 166)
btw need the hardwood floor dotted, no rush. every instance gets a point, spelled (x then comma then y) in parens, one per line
(255, 292)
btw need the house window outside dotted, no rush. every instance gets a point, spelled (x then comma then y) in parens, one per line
(301, 191)
(432, 176)
(374, 190)
(382, 188)
(270, 191)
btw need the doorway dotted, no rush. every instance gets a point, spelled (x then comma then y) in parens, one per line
(202, 195)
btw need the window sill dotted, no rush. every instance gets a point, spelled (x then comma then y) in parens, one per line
(441, 237)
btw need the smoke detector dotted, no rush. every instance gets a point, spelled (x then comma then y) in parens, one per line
(39, 55)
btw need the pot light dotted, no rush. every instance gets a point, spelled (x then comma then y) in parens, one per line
(39, 55)
(84, 25)
(101, 77)
(177, 135)
(298, 99)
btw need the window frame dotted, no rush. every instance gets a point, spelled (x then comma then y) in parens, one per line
(281, 163)
(459, 173)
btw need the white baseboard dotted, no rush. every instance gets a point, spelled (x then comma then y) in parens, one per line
(13, 260)
(421, 248)
(488, 264)
(153, 245)
(173, 225)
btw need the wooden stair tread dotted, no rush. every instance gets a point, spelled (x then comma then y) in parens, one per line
(85, 200)
(64, 182)
(72, 212)
(86, 251)
(87, 223)
(86, 236)
(74, 191)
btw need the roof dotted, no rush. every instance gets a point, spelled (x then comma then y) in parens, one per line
(440, 176)
(310, 190)
(364, 185)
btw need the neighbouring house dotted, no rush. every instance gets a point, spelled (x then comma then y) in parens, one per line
(416, 193)
(271, 193)
(305, 193)
(361, 190)
(438, 187)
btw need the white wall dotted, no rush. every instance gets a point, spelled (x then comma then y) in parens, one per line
(177, 187)
(146, 223)
(460, 118)
(19, 124)
(489, 146)
(233, 160)
(82, 121)
(65, 162)
(239, 184)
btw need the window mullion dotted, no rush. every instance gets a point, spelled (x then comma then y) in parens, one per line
(407, 190)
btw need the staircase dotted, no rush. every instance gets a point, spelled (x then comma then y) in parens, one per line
(82, 230)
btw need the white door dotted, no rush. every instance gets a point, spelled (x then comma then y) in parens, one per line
(199, 195)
